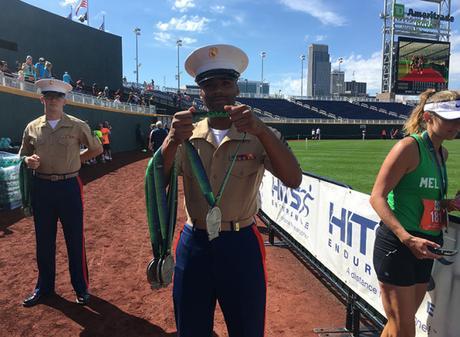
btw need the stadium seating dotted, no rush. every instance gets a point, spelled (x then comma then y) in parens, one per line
(281, 107)
(398, 108)
(347, 110)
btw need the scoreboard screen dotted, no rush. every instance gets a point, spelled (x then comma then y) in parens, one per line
(421, 65)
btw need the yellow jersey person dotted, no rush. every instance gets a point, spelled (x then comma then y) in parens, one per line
(220, 254)
(51, 147)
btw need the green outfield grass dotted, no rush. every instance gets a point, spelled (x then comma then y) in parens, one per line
(356, 162)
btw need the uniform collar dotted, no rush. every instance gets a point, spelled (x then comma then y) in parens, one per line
(203, 131)
(64, 121)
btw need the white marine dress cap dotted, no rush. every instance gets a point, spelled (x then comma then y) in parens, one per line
(54, 85)
(218, 60)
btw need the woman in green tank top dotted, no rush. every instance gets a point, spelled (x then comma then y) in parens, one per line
(409, 195)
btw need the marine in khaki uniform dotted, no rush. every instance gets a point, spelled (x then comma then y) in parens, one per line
(51, 147)
(220, 253)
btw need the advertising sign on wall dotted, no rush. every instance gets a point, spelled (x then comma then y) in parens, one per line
(337, 225)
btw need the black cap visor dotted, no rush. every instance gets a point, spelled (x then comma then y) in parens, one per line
(217, 73)
(53, 94)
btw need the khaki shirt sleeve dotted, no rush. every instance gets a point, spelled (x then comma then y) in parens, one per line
(88, 138)
(27, 148)
(267, 162)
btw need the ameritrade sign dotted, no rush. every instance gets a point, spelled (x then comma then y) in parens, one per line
(337, 225)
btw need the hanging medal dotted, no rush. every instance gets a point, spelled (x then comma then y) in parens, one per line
(214, 215)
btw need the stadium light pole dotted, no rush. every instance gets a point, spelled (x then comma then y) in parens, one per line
(137, 32)
(302, 59)
(262, 55)
(179, 44)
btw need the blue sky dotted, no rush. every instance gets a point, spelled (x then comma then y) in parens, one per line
(282, 28)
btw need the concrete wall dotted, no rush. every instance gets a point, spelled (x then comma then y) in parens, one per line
(85, 52)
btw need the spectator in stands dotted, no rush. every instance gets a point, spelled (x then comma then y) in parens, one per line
(79, 86)
(106, 137)
(94, 90)
(106, 92)
(410, 196)
(28, 70)
(4, 68)
(66, 78)
(117, 99)
(48, 70)
(157, 136)
(40, 67)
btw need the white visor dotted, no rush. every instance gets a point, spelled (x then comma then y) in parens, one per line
(447, 110)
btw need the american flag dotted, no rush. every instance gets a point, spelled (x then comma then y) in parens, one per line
(82, 4)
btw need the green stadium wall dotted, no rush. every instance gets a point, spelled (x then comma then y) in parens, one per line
(333, 131)
(85, 52)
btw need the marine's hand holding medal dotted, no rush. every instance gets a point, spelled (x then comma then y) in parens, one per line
(181, 126)
(32, 162)
(244, 119)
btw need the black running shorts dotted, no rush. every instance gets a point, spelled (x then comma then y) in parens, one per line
(395, 264)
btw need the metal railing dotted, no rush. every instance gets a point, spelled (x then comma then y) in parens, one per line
(268, 119)
(14, 82)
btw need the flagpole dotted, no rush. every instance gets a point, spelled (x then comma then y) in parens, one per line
(87, 12)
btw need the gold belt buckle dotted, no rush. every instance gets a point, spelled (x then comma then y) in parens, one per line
(54, 177)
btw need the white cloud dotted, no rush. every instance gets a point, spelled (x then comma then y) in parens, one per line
(362, 69)
(319, 38)
(192, 24)
(317, 9)
(454, 64)
(289, 85)
(188, 40)
(68, 3)
(183, 5)
(170, 39)
(218, 9)
(162, 37)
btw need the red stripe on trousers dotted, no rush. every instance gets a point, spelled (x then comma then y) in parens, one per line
(262, 252)
(83, 258)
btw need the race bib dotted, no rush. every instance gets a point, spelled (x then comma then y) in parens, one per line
(434, 216)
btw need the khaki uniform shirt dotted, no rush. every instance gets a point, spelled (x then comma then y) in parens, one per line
(58, 148)
(239, 201)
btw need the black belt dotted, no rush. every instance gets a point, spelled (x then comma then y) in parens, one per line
(55, 177)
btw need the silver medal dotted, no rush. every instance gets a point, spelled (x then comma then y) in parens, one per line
(213, 222)
(166, 270)
(152, 274)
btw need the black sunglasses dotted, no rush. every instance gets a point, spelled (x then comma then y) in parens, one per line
(53, 94)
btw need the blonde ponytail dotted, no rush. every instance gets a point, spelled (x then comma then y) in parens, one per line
(415, 122)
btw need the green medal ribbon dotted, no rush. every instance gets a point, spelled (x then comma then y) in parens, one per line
(210, 114)
(25, 185)
(161, 206)
(200, 173)
(441, 167)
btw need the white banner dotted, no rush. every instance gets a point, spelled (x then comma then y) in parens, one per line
(337, 225)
